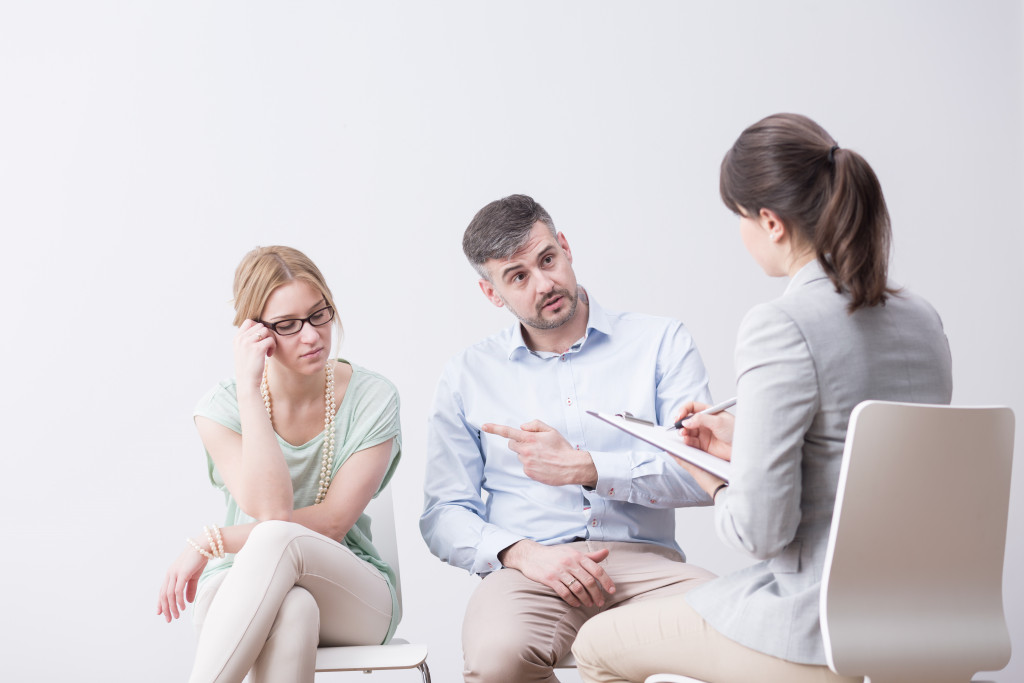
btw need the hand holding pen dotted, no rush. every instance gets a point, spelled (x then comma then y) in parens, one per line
(706, 427)
(693, 409)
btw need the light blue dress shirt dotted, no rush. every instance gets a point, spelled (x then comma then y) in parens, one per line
(478, 501)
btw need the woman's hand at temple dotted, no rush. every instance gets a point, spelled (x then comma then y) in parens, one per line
(254, 343)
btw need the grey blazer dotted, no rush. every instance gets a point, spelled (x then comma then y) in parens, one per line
(802, 364)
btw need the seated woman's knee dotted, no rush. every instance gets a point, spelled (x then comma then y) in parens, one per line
(272, 534)
(583, 648)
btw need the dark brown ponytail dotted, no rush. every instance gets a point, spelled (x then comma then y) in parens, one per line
(828, 195)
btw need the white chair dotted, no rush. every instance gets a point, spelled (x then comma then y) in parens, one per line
(397, 654)
(912, 586)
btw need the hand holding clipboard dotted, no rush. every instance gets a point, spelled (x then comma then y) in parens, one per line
(669, 440)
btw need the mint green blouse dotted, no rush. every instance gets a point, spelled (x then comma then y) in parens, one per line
(367, 416)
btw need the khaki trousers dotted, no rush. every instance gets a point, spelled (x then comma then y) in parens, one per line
(516, 629)
(289, 590)
(668, 636)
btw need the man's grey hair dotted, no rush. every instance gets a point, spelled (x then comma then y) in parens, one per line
(501, 228)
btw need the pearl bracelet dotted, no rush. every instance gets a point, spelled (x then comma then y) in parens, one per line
(216, 541)
(216, 546)
(205, 553)
(220, 540)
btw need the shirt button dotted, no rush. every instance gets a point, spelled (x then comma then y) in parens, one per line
(611, 491)
(563, 359)
(593, 522)
(653, 501)
(568, 401)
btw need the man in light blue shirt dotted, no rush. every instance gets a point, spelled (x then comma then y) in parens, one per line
(577, 515)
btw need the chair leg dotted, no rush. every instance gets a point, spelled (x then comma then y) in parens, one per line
(424, 672)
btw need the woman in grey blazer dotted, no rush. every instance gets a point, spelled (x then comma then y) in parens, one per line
(841, 333)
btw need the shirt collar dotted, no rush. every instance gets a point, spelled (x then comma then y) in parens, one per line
(597, 321)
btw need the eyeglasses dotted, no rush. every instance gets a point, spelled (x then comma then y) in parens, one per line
(293, 325)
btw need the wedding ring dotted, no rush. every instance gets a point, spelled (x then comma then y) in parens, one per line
(571, 582)
(259, 336)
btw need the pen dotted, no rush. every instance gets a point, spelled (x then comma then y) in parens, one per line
(717, 408)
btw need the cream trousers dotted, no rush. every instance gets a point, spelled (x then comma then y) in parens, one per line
(516, 629)
(289, 590)
(668, 636)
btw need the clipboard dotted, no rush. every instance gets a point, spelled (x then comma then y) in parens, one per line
(668, 441)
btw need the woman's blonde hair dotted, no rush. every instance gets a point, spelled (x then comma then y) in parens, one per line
(263, 270)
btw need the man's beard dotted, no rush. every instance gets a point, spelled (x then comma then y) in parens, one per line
(539, 322)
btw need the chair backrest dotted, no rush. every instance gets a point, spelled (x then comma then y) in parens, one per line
(382, 525)
(912, 585)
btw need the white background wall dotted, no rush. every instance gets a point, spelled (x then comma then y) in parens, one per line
(145, 146)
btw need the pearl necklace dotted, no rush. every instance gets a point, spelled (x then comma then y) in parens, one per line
(327, 460)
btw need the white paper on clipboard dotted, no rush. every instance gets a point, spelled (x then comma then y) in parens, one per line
(669, 441)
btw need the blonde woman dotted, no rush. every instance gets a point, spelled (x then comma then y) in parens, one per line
(299, 442)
